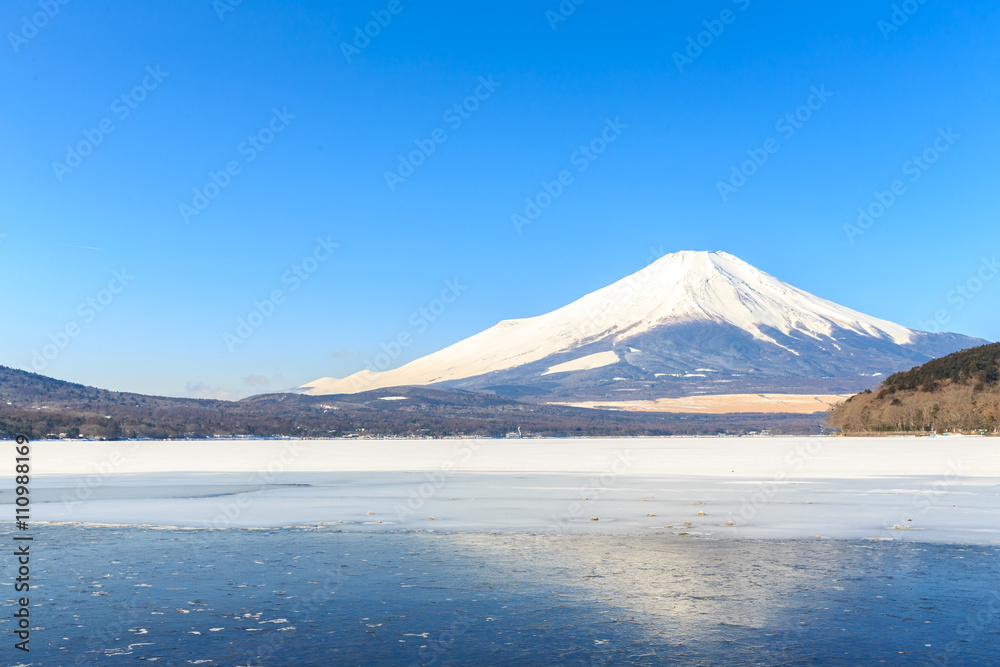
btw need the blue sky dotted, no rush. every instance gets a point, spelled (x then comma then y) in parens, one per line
(167, 170)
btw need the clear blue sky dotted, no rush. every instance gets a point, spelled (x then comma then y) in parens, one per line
(202, 87)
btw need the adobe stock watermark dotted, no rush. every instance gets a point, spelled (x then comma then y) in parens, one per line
(786, 126)
(121, 107)
(562, 12)
(247, 149)
(795, 459)
(696, 44)
(975, 625)
(606, 313)
(85, 485)
(964, 292)
(87, 311)
(436, 480)
(454, 116)
(581, 159)
(223, 7)
(124, 618)
(901, 13)
(915, 168)
(420, 320)
(294, 277)
(363, 35)
(932, 497)
(31, 24)
(260, 480)
(593, 488)
(274, 644)
(440, 642)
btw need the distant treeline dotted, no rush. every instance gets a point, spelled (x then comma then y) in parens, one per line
(418, 420)
(40, 406)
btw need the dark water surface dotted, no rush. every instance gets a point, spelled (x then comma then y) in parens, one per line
(125, 596)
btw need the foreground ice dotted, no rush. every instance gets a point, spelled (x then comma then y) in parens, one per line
(108, 596)
(942, 489)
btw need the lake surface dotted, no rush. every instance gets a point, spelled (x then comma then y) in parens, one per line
(318, 596)
(944, 490)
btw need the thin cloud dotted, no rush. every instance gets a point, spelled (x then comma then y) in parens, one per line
(82, 247)
(201, 390)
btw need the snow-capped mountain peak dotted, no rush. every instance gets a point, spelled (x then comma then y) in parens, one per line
(696, 288)
(719, 286)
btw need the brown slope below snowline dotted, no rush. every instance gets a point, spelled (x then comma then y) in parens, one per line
(952, 407)
(959, 392)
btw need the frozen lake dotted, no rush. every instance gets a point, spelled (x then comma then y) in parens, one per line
(944, 489)
(111, 596)
(452, 552)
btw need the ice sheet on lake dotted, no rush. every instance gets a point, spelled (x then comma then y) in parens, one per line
(933, 489)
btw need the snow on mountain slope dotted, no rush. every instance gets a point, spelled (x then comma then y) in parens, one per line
(589, 362)
(687, 286)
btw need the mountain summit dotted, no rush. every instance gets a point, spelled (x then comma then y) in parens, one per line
(690, 322)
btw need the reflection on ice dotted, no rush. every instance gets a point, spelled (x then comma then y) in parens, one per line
(331, 597)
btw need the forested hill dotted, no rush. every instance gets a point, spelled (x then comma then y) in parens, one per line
(980, 365)
(22, 389)
(959, 392)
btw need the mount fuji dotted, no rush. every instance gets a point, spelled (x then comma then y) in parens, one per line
(689, 323)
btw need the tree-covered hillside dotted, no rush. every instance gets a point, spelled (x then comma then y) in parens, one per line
(980, 365)
(959, 392)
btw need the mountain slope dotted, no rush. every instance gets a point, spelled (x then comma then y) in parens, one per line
(958, 392)
(687, 315)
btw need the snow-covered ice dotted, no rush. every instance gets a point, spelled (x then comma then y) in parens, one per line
(932, 488)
